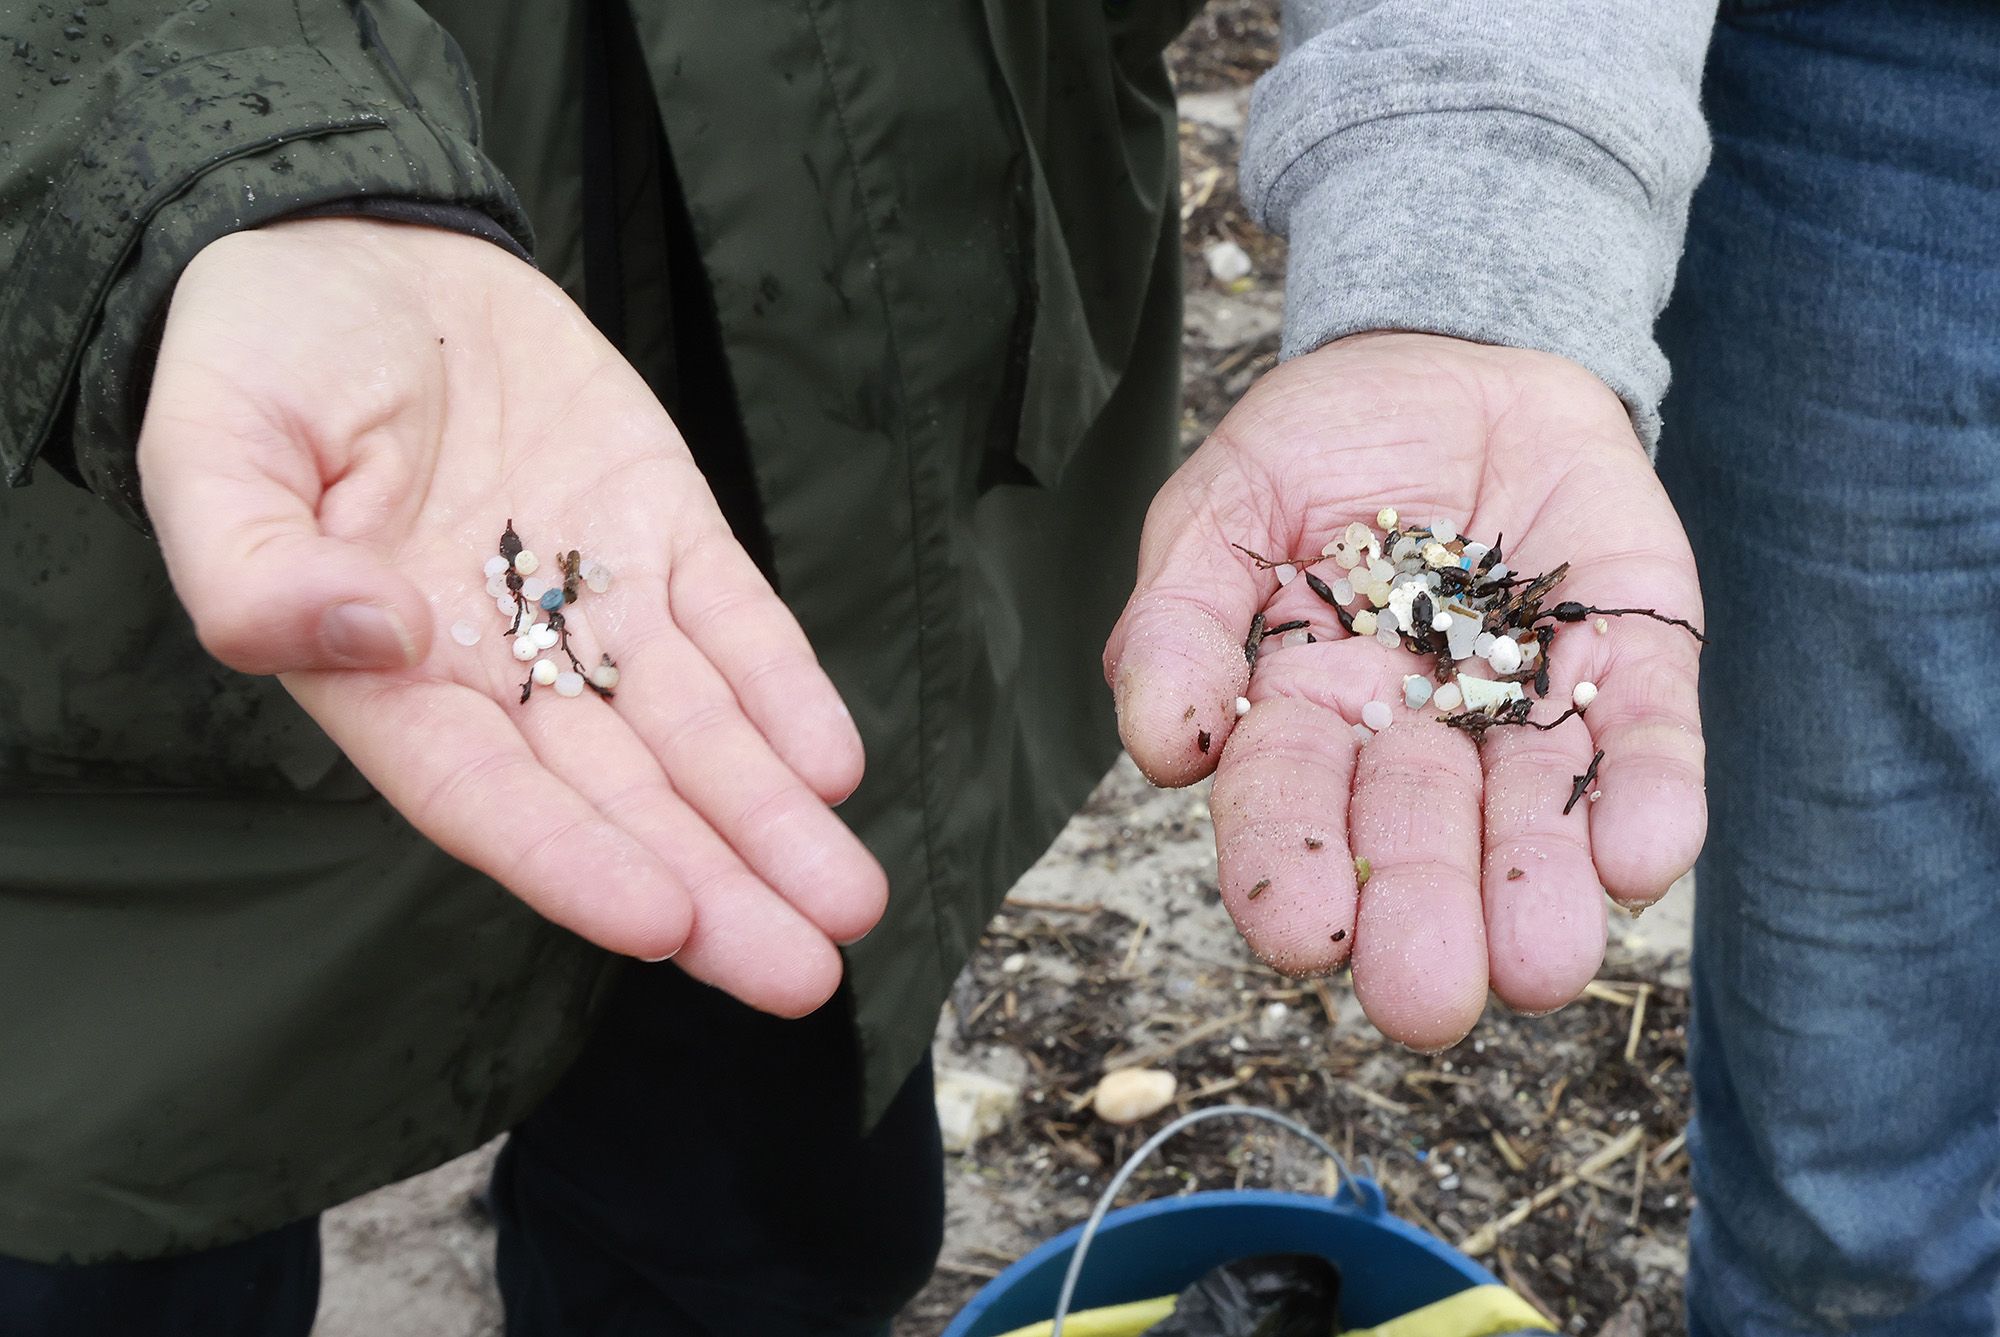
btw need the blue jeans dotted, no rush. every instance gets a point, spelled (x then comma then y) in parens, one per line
(1833, 442)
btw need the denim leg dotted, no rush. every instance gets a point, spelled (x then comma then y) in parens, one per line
(700, 1173)
(266, 1286)
(1833, 442)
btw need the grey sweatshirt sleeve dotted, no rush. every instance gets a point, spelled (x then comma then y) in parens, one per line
(1510, 171)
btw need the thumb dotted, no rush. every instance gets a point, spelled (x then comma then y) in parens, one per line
(269, 592)
(1176, 660)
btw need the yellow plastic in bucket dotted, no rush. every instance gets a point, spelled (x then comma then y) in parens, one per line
(1480, 1311)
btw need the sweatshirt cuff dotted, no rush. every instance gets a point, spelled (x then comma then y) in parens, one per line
(1508, 236)
(1479, 193)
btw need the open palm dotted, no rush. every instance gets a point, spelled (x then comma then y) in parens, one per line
(345, 416)
(1477, 877)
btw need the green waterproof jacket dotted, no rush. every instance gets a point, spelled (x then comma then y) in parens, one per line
(942, 241)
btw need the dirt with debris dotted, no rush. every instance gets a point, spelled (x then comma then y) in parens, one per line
(1115, 949)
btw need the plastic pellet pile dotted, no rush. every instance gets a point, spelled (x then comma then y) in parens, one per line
(1453, 600)
(527, 599)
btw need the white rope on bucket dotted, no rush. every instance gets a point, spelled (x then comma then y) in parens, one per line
(1138, 1158)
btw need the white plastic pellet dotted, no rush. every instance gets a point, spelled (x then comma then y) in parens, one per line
(1386, 620)
(1484, 645)
(1476, 551)
(1448, 697)
(1362, 733)
(1343, 591)
(505, 603)
(1376, 715)
(1286, 573)
(1386, 517)
(496, 565)
(1603, 625)
(465, 633)
(1242, 706)
(1364, 622)
(1441, 620)
(1294, 638)
(543, 635)
(1505, 656)
(599, 579)
(1417, 690)
(524, 648)
(545, 671)
(525, 562)
(1405, 548)
(604, 676)
(1387, 639)
(534, 588)
(497, 587)
(1485, 694)
(569, 684)
(1460, 635)
(1498, 571)
(1444, 531)
(1582, 695)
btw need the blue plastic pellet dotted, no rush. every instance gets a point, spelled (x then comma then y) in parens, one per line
(552, 598)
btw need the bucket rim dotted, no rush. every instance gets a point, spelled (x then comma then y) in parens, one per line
(1372, 1207)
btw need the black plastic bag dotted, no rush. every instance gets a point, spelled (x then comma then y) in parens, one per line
(1275, 1295)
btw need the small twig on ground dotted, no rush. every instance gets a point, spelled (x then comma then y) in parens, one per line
(1132, 952)
(1638, 1020)
(1140, 1058)
(1482, 1240)
(1053, 907)
(1638, 1188)
(1604, 993)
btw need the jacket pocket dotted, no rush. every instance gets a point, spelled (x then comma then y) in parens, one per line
(1094, 111)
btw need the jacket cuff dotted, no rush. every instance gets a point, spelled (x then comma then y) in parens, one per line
(239, 140)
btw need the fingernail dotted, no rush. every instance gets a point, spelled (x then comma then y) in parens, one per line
(363, 635)
(655, 960)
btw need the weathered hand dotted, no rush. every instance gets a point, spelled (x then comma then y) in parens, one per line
(1497, 441)
(344, 417)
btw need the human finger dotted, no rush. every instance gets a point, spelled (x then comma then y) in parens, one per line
(451, 760)
(1419, 937)
(1650, 816)
(1175, 660)
(746, 938)
(1279, 806)
(1544, 907)
(723, 604)
(236, 512)
(678, 705)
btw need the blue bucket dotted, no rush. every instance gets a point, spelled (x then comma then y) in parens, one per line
(1160, 1248)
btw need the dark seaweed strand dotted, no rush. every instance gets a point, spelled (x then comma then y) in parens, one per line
(1576, 612)
(1255, 639)
(1580, 785)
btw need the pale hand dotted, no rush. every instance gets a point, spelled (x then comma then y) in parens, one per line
(344, 417)
(1477, 877)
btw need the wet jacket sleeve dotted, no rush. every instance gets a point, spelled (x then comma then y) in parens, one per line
(1510, 171)
(145, 129)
